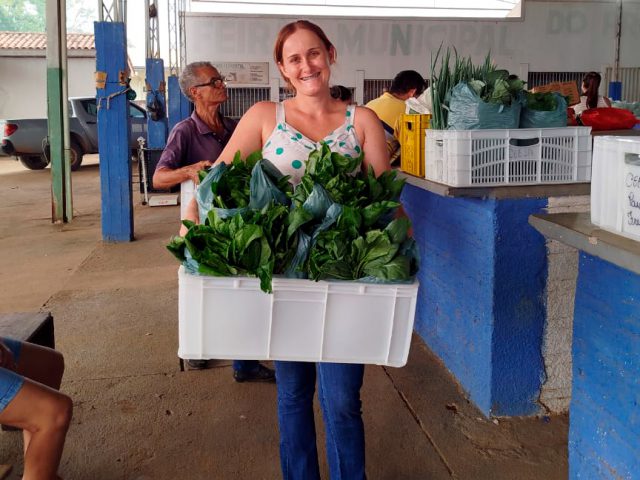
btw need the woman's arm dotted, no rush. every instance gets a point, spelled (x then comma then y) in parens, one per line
(372, 139)
(191, 213)
(254, 126)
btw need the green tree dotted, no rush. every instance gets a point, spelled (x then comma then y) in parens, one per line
(22, 15)
(29, 15)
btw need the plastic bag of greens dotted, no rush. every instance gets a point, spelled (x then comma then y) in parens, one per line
(467, 111)
(268, 184)
(543, 110)
(296, 266)
(209, 197)
(317, 213)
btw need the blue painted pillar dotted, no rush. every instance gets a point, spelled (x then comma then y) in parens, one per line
(179, 107)
(481, 299)
(113, 133)
(156, 128)
(604, 428)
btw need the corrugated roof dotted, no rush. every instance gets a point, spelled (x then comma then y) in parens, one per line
(38, 41)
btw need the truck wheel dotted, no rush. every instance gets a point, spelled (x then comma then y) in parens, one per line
(34, 162)
(75, 156)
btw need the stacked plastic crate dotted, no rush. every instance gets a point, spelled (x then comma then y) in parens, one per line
(524, 156)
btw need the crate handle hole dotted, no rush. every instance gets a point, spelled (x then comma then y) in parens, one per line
(524, 142)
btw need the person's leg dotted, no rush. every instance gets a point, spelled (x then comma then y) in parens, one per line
(339, 393)
(252, 371)
(298, 453)
(45, 414)
(40, 364)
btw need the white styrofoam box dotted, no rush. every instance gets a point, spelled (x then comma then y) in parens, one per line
(187, 189)
(615, 185)
(302, 320)
(523, 156)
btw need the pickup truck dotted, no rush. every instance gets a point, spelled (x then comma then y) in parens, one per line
(27, 140)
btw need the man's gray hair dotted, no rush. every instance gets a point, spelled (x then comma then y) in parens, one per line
(189, 78)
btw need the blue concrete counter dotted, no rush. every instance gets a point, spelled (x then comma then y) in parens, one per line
(604, 428)
(482, 279)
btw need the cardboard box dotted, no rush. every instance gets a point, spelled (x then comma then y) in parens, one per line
(568, 89)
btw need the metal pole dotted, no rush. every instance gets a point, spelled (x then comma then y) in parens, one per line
(57, 114)
(616, 67)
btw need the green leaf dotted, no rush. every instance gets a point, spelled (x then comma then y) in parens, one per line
(246, 234)
(297, 218)
(395, 270)
(398, 229)
(176, 247)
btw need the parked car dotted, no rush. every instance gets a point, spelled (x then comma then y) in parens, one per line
(27, 140)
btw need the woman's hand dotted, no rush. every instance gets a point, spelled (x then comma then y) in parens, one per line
(6, 357)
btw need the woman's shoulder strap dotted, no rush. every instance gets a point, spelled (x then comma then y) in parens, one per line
(280, 112)
(351, 114)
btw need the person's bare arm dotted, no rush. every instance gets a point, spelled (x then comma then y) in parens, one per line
(165, 177)
(372, 140)
(254, 126)
(191, 213)
(246, 138)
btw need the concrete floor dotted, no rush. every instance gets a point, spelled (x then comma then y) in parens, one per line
(136, 416)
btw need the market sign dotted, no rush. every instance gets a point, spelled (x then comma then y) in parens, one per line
(244, 73)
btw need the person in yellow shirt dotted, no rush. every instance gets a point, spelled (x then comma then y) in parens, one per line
(390, 106)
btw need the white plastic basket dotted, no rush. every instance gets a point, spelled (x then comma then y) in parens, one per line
(615, 185)
(524, 156)
(302, 320)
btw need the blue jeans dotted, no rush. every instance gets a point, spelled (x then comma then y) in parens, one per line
(339, 394)
(245, 366)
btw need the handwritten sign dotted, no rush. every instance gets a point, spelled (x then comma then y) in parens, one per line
(631, 220)
(244, 73)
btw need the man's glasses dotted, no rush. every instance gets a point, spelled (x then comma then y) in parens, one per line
(215, 82)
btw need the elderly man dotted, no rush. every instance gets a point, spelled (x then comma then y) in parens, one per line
(193, 145)
(196, 142)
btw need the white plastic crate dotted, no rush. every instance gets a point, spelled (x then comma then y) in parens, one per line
(302, 320)
(524, 156)
(615, 185)
(187, 190)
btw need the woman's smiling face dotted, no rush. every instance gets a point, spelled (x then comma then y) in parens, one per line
(306, 62)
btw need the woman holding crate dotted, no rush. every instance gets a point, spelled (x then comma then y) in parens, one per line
(286, 133)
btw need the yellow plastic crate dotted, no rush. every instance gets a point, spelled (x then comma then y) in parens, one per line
(412, 133)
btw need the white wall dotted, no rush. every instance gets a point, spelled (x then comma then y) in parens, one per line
(553, 36)
(23, 84)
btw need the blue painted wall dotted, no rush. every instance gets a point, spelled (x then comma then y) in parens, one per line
(604, 429)
(519, 308)
(156, 130)
(179, 107)
(480, 305)
(113, 135)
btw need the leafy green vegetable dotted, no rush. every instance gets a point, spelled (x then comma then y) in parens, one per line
(541, 101)
(252, 243)
(343, 253)
(489, 83)
(339, 225)
(232, 189)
